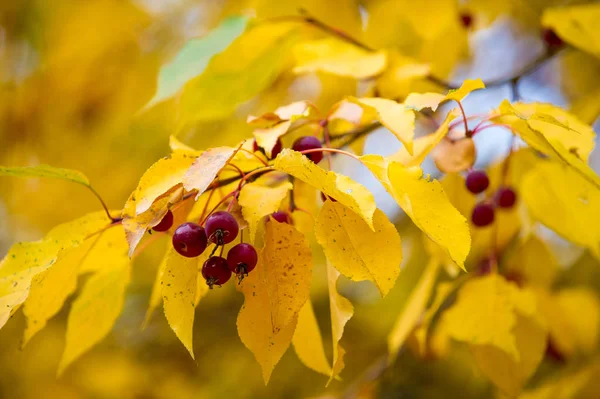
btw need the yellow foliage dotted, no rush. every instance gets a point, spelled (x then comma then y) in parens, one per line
(308, 342)
(341, 311)
(577, 25)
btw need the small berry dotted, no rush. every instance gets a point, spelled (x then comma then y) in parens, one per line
(477, 181)
(309, 143)
(216, 271)
(189, 239)
(282, 217)
(466, 19)
(506, 197)
(551, 39)
(242, 259)
(166, 222)
(274, 152)
(325, 197)
(483, 215)
(221, 227)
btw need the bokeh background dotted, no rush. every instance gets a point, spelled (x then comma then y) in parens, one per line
(74, 79)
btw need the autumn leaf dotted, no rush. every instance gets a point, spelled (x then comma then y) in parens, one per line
(576, 24)
(194, 56)
(533, 263)
(345, 190)
(274, 294)
(45, 171)
(95, 311)
(205, 168)
(308, 342)
(341, 311)
(356, 251)
(261, 198)
(337, 57)
(419, 101)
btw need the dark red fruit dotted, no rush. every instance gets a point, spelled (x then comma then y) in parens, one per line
(551, 39)
(216, 271)
(189, 239)
(282, 217)
(466, 19)
(242, 259)
(553, 353)
(274, 152)
(477, 181)
(309, 143)
(166, 222)
(506, 197)
(221, 227)
(325, 198)
(483, 215)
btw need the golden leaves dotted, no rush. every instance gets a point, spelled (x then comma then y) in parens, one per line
(345, 190)
(308, 342)
(341, 311)
(355, 250)
(45, 171)
(205, 168)
(419, 101)
(274, 294)
(576, 24)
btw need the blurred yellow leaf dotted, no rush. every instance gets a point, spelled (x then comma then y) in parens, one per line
(178, 284)
(332, 55)
(261, 198)
(398, 79)
(581, 382)
(424, 145)
(576, 24)
(341, 311)
(485, 313)
(563, 200)
(95, 310)
(274, 294)
(355, 250)
(419, 101)
(396, 117)
(45, 171)
(533, 263)
(308, 342)
(345, 190)
(413, 309)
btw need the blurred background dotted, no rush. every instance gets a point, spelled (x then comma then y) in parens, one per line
(75, 77)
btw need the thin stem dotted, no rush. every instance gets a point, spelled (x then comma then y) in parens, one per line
(113, 220)
(327, 143)
(292, 197)
(334, 150)
(255, 156)
(241, 172)
(253, 173)
(464, 115)
(202, 215)
(218, 205)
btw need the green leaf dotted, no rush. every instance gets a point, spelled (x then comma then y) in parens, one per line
(45, 171)
(194, 56)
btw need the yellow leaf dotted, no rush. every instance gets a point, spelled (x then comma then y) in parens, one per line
(549, 141)
(178, 282)
(308, 342)
(563, 200)
(332, 55)
(177, 146)
(205, 168)
(425, 202)
(534, 263)
(345, 190)
(396, 117)
(25, 260)
(355, 250)
(341, 311)
(582, 382)
(45, 171)
(261, 198)
(398, 79)
(424, 145)
(274, 293)
(95, 311)
(348, 115)
(419, 101)
(503, 370)
(485, 313)
(414, 308)
(249, 65)
(109, 244)
(577, 25)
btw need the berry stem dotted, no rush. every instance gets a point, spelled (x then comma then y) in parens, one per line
(464, 115)
(327, 143)
(333, 150)
(218, 205)
(203, 214)
(241, 172)
(255, 156)
(112, 219)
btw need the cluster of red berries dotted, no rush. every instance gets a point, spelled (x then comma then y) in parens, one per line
(303, 143)
(483, 213)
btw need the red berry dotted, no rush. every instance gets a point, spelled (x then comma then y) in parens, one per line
(221, 227)
(189, 239)
(309, 143)
(166, 222)
(216, 271)
(242, 259)
(506, 197)
(477, 181)
(326, 197)
(551, 39)
(466, 19)
(282, 217)
(274, 152)
(483, 215)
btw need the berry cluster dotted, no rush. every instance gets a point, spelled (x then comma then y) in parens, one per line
(304, 143)
(483, 213)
